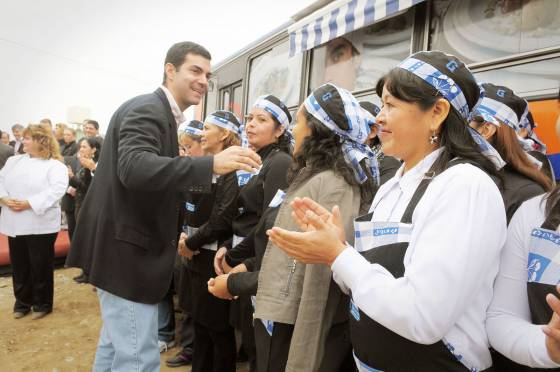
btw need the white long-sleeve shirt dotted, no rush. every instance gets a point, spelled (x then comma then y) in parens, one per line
(42, 183)
(508, 323)
(459, 228)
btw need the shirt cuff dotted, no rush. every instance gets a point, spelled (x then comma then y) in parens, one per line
(542, 356)
(36, 204)
(350, 266)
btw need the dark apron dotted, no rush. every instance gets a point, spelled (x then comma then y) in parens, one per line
(377, 348)
(542, 276)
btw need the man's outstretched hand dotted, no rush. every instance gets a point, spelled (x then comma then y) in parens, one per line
(236, 158)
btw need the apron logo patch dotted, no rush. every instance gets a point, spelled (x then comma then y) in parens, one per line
(354, 311)
(543, 261)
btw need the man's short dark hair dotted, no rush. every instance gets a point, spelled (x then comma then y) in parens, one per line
(17, 127)
(92, 122)
(178, 52)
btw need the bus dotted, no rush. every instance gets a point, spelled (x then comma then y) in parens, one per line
(352, 43)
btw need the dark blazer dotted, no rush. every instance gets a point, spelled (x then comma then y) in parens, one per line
(69, 149)
(20, 150)
(68, 202)
(5, 152)
(127, 230)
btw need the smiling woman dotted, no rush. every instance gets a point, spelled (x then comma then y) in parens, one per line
(415, 303)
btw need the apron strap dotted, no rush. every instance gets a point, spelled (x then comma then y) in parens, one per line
(423, 186)
(553, 219)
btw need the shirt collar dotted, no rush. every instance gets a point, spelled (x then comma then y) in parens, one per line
(409, 181)
(177, 113)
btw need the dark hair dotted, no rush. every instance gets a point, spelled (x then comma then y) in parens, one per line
(506, 143)
(94, 143)
(92, 122)
(321, 151)
(17, 127)
(177, 54)
(455, 139)
(373, 109)
(284, 142)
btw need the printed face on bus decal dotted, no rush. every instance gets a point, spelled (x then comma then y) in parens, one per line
(261, 128)
(342, 61)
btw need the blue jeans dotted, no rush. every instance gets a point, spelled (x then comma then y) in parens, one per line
(128, 339)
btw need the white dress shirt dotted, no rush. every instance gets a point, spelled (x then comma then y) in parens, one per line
(459, 228)
(17, 145)
(509, 325)
(177, 113)
(42, 183)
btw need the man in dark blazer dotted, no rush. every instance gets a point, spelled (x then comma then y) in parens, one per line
(127, 230)
(17, 143)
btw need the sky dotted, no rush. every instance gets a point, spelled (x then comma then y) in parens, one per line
(64, 59)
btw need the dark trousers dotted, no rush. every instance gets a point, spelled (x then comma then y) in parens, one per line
(273, 350)
(32, 258)
(214, 351)
(186, 335)
(71, 221)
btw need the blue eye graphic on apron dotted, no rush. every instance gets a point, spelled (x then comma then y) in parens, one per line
(190, 207)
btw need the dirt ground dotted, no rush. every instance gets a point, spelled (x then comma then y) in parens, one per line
(63, 341)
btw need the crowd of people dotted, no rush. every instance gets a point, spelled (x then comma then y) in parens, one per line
(421, 235)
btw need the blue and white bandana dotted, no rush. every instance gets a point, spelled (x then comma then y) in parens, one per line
(353, 140)
(276, 111)
(491, 108)
(194, 128)
(451, 91)
(279, 113)
(224, 123)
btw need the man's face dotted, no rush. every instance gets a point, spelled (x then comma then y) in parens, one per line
(89, 130)
(17, 134)
(189, 83)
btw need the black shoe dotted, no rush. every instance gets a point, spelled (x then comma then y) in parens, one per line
(82, 278)
(179, 360)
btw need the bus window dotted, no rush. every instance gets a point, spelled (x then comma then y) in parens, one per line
(356, 61)
(274, 72)
(527, 79)
(482, 30)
